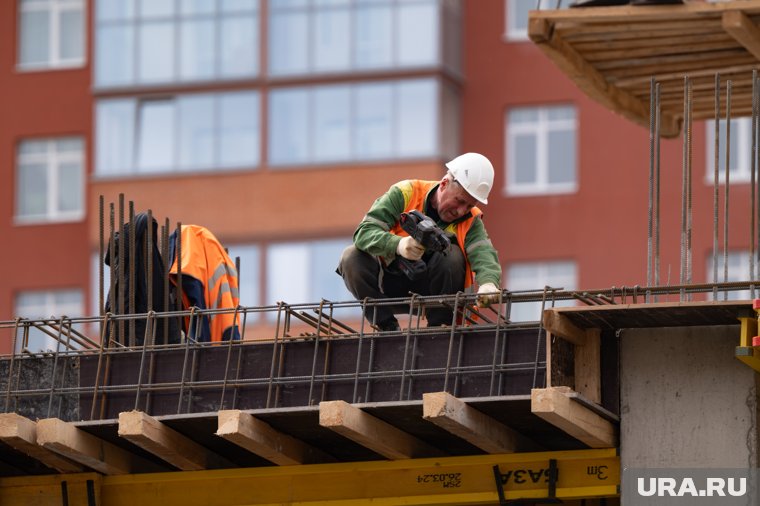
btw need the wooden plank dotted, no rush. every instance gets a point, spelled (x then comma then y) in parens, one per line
(668, 60)
(588, 367)
(592, 83)
(553, 405)
(679, 68)
(475, 427)
(656, 52)
(372, 432)
(693, 73)
(642, 41)
(66, 439)
(560, 326)
(743, 30)
(166, 443)
(256, 436)
(579, 32)
(21, 433)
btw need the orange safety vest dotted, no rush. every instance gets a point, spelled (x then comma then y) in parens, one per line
(213, 282)
(415, 192)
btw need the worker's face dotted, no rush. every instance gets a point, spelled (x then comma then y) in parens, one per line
(453, 201)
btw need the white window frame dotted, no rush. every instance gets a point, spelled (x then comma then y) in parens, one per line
(55, 8)
(743, 129)
(515, 33)
(136, 105)
(52, 161)
(541, 129)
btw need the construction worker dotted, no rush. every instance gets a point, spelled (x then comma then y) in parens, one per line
(370, 269)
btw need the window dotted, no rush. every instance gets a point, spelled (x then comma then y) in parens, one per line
(346, 122)
(317, 36)
(50, 180)
(533, 277)
(165, 41)
(740, 154)
(47, 304)
(304, 272)
(203, 131)
(51, 34)
(517, 15)
(541, 150)
(738, 270)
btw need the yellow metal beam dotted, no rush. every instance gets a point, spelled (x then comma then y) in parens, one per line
(431, 481)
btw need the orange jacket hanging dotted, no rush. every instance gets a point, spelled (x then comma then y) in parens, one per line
(209, 281)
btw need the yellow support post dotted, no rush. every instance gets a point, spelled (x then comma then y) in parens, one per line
(471, 480)
(746, 351)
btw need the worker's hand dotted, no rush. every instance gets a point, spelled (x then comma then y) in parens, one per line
(410, 249)
(488, 294)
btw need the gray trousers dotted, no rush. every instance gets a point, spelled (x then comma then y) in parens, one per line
(366, 277)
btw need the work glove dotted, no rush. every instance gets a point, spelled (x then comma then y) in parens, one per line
(410, 248)
(488, 294)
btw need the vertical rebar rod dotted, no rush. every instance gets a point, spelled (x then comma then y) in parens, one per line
(103, 340)
(314, 364)
(14, 339)
(112, 267)
(716, 184)
(538, 339)
(274, 354)
(753, 169)
(406, 348)
(149, 323)
(101, 253)
(184, 364)
(149, 261)
(121, 296)
(451, 344)
(229, 359)
(360, 339)
(236, 390)
(657, 189)
(727, 172)
(650, 213)
(63, 371)
(132, 272)
(178, 253)
(328, 347)
(56, 355)
(756, 140)
(689, 190)
(682, 262)
(167, 260)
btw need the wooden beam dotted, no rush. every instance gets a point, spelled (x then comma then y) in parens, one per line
(475, 427)
(371, 432)
(588, 368)
(560, 325)
(644, 15)
(553, 405)
(743, 30)
(591, 82)
(256, 436)
(21, 433)
(166, 443)
(68, 440)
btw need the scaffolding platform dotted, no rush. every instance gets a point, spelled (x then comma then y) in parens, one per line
(612, 54)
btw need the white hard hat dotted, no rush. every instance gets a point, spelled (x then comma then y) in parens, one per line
(475, 173)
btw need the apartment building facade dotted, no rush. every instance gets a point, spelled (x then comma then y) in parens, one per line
(276, 123)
